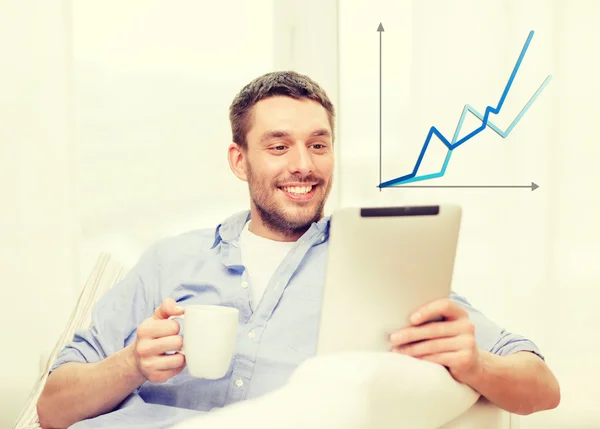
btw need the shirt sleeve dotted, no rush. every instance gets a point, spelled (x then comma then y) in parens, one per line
(116, 315)
(493, 338)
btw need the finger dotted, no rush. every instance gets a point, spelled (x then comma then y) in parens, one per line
(152, 328)
(446, 308)
(162, 363)
(446, 359)
(159, 346)
(436, 346)
(167, 309)
(164, 375)
(430, 331)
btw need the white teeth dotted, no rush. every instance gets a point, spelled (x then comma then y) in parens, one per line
(297, 189)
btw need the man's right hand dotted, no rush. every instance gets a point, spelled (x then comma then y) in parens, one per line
(156, 336)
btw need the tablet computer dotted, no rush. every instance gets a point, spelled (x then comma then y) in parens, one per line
(383, 263)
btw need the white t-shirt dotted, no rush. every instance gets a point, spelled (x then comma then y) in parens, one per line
(261, 257)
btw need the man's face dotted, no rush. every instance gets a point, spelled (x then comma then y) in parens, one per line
(289, 162)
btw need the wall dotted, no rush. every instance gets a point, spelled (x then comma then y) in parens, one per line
(154, 81)
(527, 259)
(38, 221)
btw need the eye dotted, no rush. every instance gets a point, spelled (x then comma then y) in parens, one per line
(319, 146)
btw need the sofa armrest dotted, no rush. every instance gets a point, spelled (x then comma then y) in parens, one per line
(105, 274)
(483, 414)
(43, 362)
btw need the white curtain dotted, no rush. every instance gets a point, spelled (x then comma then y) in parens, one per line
(528, 259)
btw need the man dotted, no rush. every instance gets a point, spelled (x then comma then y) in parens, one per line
(269, 263)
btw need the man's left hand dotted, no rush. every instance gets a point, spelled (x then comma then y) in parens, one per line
(450, 342)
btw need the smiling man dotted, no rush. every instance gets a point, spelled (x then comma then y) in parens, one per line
(269, 262)
(283, 148)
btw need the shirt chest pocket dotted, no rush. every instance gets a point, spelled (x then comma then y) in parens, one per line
(303, 338)
(303, 325)
(292, 326)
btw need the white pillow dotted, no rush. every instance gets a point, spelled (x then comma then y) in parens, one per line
(353, 390)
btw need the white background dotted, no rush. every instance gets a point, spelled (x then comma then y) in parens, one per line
(114, 133)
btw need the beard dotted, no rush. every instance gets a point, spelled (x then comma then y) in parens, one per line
(275, 216)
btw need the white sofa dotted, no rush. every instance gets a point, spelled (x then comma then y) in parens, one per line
(345, 391)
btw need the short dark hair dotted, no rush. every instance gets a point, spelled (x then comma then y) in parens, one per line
(286, 83)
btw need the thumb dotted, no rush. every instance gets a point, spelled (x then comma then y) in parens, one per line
(167, 309)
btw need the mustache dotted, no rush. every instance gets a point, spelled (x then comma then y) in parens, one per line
(299, 179)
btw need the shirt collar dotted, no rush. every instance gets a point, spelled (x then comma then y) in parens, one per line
(230, 229)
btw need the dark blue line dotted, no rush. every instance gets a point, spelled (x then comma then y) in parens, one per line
(488, 110)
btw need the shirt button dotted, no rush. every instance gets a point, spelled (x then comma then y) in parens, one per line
(244, 285)
(251, 334)
(239, 383)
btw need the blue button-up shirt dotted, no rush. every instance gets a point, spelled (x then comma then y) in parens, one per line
(205, 267)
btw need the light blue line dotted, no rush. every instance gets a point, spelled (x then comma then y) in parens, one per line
(504, 134)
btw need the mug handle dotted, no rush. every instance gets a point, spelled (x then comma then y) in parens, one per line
(180, 351)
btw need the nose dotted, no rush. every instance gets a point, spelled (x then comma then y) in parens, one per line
(301, 161)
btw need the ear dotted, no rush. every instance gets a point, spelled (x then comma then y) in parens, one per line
(235, 155)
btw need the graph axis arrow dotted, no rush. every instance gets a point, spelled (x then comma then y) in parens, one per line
(380, 30)
(533, 186)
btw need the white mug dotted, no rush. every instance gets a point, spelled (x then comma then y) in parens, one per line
(209, 335)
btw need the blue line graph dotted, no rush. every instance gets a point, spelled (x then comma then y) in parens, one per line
(412, 177)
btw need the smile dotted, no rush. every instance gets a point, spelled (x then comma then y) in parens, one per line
(299, 192)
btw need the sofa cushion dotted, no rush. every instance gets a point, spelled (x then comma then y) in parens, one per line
(352, 390)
